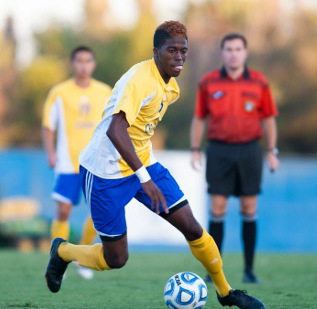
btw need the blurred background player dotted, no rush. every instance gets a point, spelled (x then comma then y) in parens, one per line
(73, 109)
(237, 101)
(118, 165)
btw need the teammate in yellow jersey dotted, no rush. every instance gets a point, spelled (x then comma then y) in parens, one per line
(118, 165)
(71, 113)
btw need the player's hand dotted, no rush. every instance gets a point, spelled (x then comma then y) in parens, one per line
(52, 159)
(272, 161)
(155, 195)
(196, 160)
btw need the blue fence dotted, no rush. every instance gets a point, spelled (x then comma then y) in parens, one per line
(287, 208)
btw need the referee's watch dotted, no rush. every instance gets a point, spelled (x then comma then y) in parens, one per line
(273, 150)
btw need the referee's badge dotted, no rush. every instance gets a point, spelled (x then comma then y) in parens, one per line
(249, 106)
(218, 94)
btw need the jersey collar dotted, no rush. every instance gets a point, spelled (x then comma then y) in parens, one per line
(171, 85)
(224, 74)
(92, 81)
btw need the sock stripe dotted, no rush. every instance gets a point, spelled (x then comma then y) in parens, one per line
(249, 218)
(217, 219)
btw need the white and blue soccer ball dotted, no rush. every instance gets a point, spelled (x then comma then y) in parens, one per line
(185, 290)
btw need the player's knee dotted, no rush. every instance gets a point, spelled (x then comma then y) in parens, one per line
(193, 232)
(116, 260)
(62, 216)
(219, 210)
(63, 212)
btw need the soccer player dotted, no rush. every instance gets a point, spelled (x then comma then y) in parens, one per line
(237, 102)
(73, 109)
(118, 165)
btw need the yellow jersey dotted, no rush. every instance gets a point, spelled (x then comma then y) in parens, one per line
(144, 97)
(74, 112)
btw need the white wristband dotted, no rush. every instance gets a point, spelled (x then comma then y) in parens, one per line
(143, 174)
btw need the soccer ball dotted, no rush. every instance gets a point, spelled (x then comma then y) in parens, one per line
(185, 290)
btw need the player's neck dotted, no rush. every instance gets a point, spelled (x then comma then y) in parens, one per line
(82, 82)
(164, 76)
(235, 73)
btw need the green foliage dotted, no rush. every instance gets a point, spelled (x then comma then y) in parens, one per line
(287, 281)
(33, 87)
(112, 59)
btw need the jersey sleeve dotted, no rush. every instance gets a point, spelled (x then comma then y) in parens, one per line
(50, 113)
(129, 101)
(201, 109)
(268, 106)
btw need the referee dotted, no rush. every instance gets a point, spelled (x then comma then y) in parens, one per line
(237, 103)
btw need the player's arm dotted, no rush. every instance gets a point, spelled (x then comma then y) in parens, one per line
(119, 136)
(196, 134)
(270, 130)
(48, 137)
(49, 126)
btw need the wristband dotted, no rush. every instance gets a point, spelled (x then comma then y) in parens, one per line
(194, 148)
(143, 174)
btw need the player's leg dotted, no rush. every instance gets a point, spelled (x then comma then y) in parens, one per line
(248, 212)
(216, 224)
(201, 245)
(107, 199)
(69, 188)
(105, 256)
(205, 250)
(108, 255)
(88, 236)
(89, 233)
(60, 225)
(218, 207)
(249, 170)
(66, 194)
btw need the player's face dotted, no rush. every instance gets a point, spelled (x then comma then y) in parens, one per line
(171, 57)
(83, 64)
(234, 54)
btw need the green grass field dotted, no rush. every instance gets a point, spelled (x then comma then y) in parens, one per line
(287, 281)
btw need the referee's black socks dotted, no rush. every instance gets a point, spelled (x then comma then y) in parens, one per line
(249, 239)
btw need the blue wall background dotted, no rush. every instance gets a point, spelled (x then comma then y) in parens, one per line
(287, 207)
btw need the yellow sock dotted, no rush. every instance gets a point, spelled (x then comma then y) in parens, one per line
(206, 251)
(87, 256)
(60, 229)
(89, 232)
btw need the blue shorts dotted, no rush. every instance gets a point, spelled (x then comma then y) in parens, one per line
(108, 198)
(67, 188)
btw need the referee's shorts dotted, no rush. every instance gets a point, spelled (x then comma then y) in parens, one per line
(234, 169)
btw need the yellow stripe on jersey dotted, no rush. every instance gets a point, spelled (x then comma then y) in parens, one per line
(144, 97)
(74, 112)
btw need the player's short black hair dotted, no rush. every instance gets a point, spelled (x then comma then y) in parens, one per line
(79, 49)
(233, 36)
(167, 30)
